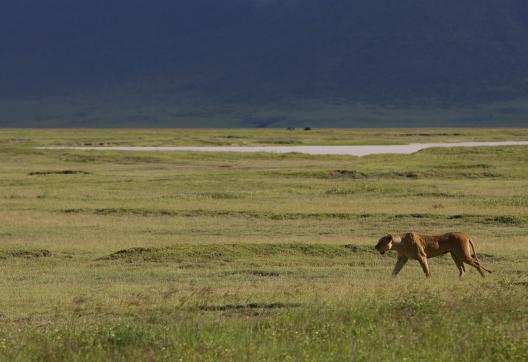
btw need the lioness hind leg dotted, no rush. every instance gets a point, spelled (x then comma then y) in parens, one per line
(476, 265)
(476, 261)
(470, 259)
(460, 265)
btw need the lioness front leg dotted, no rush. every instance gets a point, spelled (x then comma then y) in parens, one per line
(399, 265)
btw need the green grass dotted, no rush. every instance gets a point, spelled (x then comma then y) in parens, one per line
(244, 137)
(192, 256)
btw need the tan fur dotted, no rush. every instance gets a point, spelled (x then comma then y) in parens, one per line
(421, 247)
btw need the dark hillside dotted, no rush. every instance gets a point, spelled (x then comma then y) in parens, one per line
(119, 62)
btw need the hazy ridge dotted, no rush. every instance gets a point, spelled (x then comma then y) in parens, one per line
(264, 63)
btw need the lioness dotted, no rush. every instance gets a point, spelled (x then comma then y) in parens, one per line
(421, 247)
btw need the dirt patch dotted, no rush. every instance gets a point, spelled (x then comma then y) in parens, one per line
(105, 158)
(478, 165)
(430, 134)
(258, 273)
(352, 174)
(262, 273)
(470, 218)
(477, 175)
(520, 284)
(39, 253)
(64, 172)
(476, 171)
(416, 216)
(122, 211)
(235, 307)
(512, 220)
(406, 174)
(443, 195)
(210, 213)
(217, 195)
(132, 251)
(484, 219)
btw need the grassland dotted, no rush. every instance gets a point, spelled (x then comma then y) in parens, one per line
(190, 256)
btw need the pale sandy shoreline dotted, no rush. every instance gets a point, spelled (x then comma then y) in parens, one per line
(362, 150)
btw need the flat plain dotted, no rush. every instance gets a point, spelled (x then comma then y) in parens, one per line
(110, 255)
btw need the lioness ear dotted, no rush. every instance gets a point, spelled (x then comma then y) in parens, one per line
(396, 238)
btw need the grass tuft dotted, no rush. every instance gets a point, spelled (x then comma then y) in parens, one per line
(20, 253)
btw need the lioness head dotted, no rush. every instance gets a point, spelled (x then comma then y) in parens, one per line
(384, 244)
